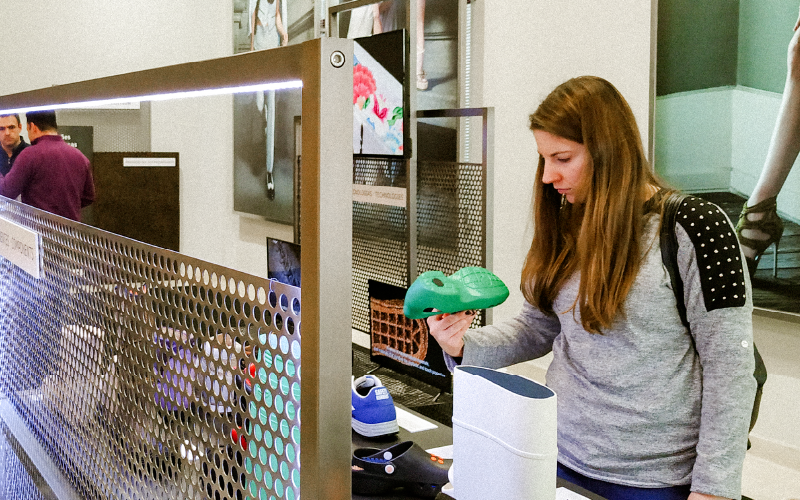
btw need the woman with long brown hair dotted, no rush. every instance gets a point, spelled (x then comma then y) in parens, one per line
(647, 407)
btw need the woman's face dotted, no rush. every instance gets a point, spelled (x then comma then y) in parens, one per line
(565, 164)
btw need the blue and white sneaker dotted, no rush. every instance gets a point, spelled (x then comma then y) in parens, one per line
(373, 409)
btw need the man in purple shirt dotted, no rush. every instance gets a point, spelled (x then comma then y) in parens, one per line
(50, 174)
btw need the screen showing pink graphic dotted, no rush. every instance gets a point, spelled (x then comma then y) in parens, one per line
(379, 110)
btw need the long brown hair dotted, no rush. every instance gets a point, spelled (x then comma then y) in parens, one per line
(601, 236)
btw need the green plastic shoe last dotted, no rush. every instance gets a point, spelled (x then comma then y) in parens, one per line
(468, 288)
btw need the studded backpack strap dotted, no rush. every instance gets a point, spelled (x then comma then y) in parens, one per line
(669, 249)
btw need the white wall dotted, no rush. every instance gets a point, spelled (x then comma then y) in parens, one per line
(63, 42)
(717, 140)
(693, 139)
(529, 48)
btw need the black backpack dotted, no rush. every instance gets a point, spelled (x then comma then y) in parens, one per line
(669, 255)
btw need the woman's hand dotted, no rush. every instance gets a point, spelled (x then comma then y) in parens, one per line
(702, 496)
(449, 330)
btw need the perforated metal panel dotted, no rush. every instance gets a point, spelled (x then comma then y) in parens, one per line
(380, 242)
(451, 218)
(18, 476)
(146, 374)
(451, 226)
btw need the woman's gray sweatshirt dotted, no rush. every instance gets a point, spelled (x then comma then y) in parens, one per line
(648, 403)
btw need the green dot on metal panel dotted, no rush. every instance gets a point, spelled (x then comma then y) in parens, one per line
(253, 409)
(268, 439)
(296, 349)
(279, 363)
(262, 415)
(290, 368)
(290, 494)
(268, 359)
(279, 487)
(290, 410)
(262, 455)
(268, 399)
(248, 465)
(273, 380)
(279, 446)
(296, 391)
(257, 392)
(285, 428)
(258, 433)
(296, 434)
(284, 383)
(290, 454)
(262, 494)
(257, 472)
(284, 471)
(262, 375)
(253, 449)
(273, 463)
(253, 488)
(296, 478)
(268, 479)
(279, 404)
(273, 422)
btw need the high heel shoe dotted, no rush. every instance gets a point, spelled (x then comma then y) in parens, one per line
(769, 224)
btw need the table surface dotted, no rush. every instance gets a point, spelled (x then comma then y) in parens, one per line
(442, 435)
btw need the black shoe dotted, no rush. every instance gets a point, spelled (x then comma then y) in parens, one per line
(405, 465)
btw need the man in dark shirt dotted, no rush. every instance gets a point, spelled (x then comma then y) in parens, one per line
(12, 143)
(50, 175)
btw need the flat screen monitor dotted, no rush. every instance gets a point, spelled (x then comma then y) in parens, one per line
(402, 344)
(380, 95)
(283, 261)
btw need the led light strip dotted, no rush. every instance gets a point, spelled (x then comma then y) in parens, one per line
(291, 84)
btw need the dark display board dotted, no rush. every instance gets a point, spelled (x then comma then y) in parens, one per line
(141, 200)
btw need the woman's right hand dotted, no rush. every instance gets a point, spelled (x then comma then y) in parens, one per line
(449, 330)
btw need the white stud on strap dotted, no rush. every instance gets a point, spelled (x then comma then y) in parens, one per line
(389, 468)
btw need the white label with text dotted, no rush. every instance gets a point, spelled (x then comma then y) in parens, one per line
(21, 246)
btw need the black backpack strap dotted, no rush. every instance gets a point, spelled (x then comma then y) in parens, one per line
(669, 248)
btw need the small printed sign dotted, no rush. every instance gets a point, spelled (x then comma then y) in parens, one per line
(381, 195)
(148, 162)
(21, 246)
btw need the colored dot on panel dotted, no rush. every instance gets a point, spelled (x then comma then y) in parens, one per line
(284, 384)
(268, 480)
(285, 471)
(290, 411)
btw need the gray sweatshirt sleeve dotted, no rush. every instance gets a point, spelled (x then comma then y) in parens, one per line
(719, 310)
(529, 335)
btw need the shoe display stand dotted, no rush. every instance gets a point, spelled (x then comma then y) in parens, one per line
(441, 436)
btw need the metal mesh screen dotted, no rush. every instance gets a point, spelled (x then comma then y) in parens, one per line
(450, 226)
(146, 374)
(18, 476)
(451, 218)
(380, 241)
